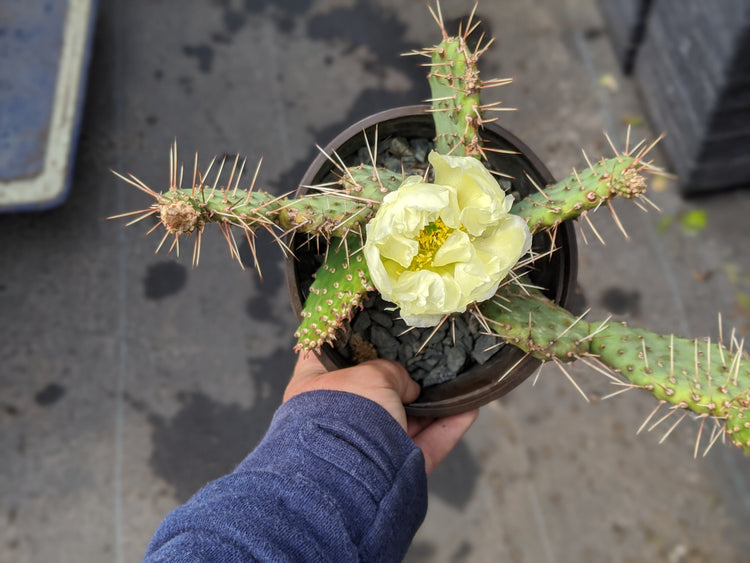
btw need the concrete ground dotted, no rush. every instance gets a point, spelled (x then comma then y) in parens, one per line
(129, 380)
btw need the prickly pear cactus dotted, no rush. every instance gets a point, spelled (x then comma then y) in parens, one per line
(709, 380)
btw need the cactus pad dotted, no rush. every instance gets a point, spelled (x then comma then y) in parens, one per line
(454, 84)
(334, 210)
(455, 89)
(339, 286)
(584, 191)
(703, 377)
(535, 324)
(707, 379)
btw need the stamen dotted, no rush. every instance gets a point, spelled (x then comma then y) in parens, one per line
(430, 239)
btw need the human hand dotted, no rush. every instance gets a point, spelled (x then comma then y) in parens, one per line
(388, 384)
(436, 437)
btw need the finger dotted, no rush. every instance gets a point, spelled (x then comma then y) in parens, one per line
(410, 390)
(397, 378)
(308, 365)
(415, 424)
(440, 437)
(307, 368)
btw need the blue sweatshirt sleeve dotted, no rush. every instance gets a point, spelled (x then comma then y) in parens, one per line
(334, 479)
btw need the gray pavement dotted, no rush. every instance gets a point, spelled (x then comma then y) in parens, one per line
(129, 380)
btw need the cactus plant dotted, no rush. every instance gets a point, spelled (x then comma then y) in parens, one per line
(709, 380)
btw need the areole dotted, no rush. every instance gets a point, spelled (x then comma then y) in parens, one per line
(557, 274)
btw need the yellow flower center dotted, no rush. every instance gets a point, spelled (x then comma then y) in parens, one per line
(430, 239)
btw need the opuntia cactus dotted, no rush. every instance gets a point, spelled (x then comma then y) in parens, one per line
(711, 380)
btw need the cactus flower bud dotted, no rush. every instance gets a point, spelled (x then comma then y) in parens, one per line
(433, 249)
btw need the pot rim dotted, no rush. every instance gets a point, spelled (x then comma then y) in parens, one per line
(522, 366)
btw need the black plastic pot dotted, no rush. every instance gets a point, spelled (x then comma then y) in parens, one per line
(482, 383)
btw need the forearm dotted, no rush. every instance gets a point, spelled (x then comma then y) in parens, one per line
(335, 478)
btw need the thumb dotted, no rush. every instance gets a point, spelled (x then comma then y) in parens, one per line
(408, 389)
(396, 378)
(307, 368)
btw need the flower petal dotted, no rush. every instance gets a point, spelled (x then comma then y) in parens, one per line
(378, 274)
(399, 248)
(508, 241)
(481, 200)
(456, 248)
(426, 297)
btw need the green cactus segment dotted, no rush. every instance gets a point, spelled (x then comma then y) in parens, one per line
(738, 425)
(535, 324)
(182, 212)
(698, 375)
(582, 191)
(705, 378)
(339, 212)
(333, 213)
(454, 84)
(339, 286)
(369, 182)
